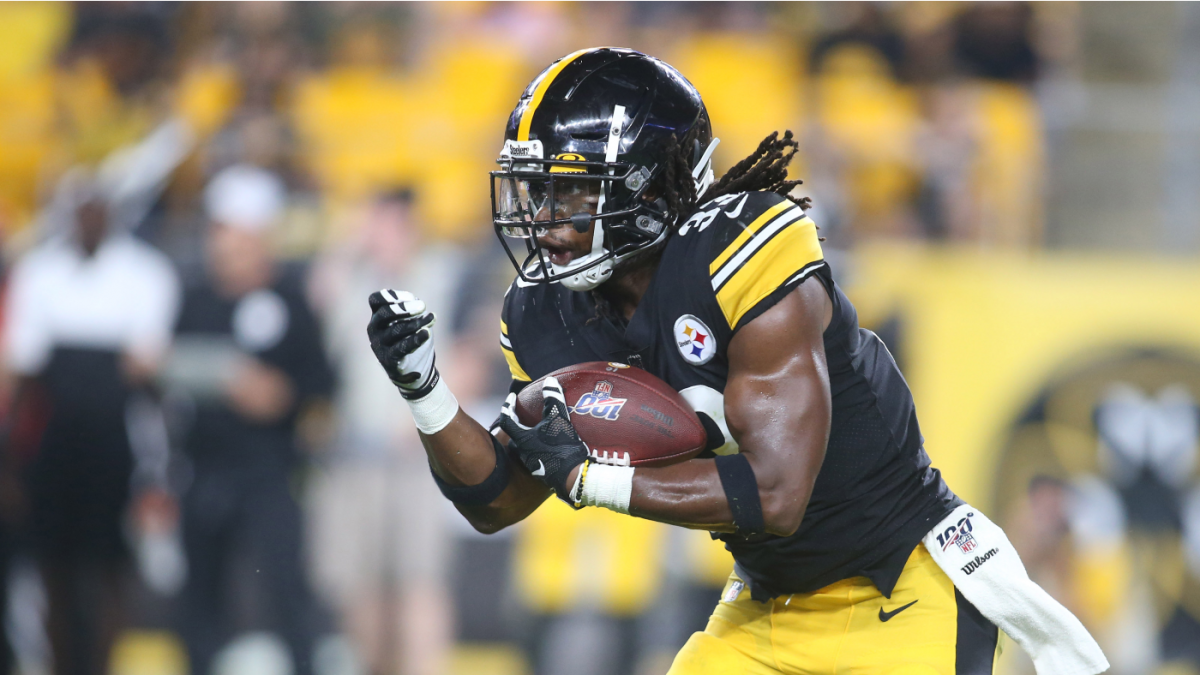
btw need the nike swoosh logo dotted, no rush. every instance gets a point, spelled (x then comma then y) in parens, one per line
(541, 471)
(887, 616)
(738, 210)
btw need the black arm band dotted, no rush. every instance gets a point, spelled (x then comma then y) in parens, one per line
(741, 489)
(484, 493)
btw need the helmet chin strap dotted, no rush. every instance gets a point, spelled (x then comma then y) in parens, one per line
(601, 272)
(589, 278)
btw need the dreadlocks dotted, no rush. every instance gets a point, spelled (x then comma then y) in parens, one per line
(764, 170)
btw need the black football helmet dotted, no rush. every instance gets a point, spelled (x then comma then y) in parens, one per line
(588, 143)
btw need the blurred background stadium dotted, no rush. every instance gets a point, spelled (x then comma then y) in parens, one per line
(1010, 192)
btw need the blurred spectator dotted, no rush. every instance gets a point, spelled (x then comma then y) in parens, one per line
(864, 142)
(88, 317)
(382, 546)
(866, 26)
(250, 358)
(112, 76)
(995, 41)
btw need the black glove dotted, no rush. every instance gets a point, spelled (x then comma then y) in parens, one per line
(551, 448)
(400, 337)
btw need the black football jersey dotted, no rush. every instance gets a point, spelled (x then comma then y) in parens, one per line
(876, 495)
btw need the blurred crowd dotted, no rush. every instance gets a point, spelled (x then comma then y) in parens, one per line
(203, 468)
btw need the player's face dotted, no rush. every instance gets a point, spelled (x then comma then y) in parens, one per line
(530, 199)
(571, 197)
(563, 243)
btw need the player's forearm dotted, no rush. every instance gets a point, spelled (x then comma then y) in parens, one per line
(521, 498)
(687, 494)
(695, 494)
(471, 468)
(462, 454)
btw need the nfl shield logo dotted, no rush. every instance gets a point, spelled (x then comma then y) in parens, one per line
(966, 543)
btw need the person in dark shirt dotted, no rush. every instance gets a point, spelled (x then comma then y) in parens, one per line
(248, 352)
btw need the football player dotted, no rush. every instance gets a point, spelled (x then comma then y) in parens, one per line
(852, 555)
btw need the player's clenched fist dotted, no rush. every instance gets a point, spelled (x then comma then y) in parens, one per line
(400, 333)
(551, 448)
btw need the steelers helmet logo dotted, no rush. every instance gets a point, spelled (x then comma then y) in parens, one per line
(695, 340)
(570, 157)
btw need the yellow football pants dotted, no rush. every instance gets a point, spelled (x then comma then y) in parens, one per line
(846, 628)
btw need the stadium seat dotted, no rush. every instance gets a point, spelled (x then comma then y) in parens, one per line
(751, 84)
(566, 560)
(32, 34)
(1008, 170)
(871, 123)
(353, 125)
(27, 136)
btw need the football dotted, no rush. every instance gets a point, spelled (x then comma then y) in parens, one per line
(626, 416)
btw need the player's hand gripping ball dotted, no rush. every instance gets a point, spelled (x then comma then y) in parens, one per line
(400, 334)
(625, 415)
(550, 449)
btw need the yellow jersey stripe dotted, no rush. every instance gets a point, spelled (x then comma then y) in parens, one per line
(540, 90)
(515, 368)
(789, 254)
(749, 232)
(760, 239)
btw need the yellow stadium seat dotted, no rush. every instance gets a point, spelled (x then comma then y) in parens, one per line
(1008, 169)
(364, 128)
(751, 84)
(27, 137)
(473, 85)
(353, 124)
(567, 560)
(1101, 577)
(481, 658)
(207, 95)
(31, 34)
(95, 119)
(871, 121)
(708, 561)
(146, 652)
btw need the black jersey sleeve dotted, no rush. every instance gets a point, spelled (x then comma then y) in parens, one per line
(506, 343)
(760, 246)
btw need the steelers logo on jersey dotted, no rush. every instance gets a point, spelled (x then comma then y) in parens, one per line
(695, 340)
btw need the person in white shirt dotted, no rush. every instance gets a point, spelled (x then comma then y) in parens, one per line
(89, 316)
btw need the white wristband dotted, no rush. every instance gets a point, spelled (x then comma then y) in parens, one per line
(608, 486)
(433, 411)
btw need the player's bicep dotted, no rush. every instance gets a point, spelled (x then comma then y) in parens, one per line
(777, 399)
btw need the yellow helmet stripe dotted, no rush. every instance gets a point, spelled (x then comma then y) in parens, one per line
(540, 90)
